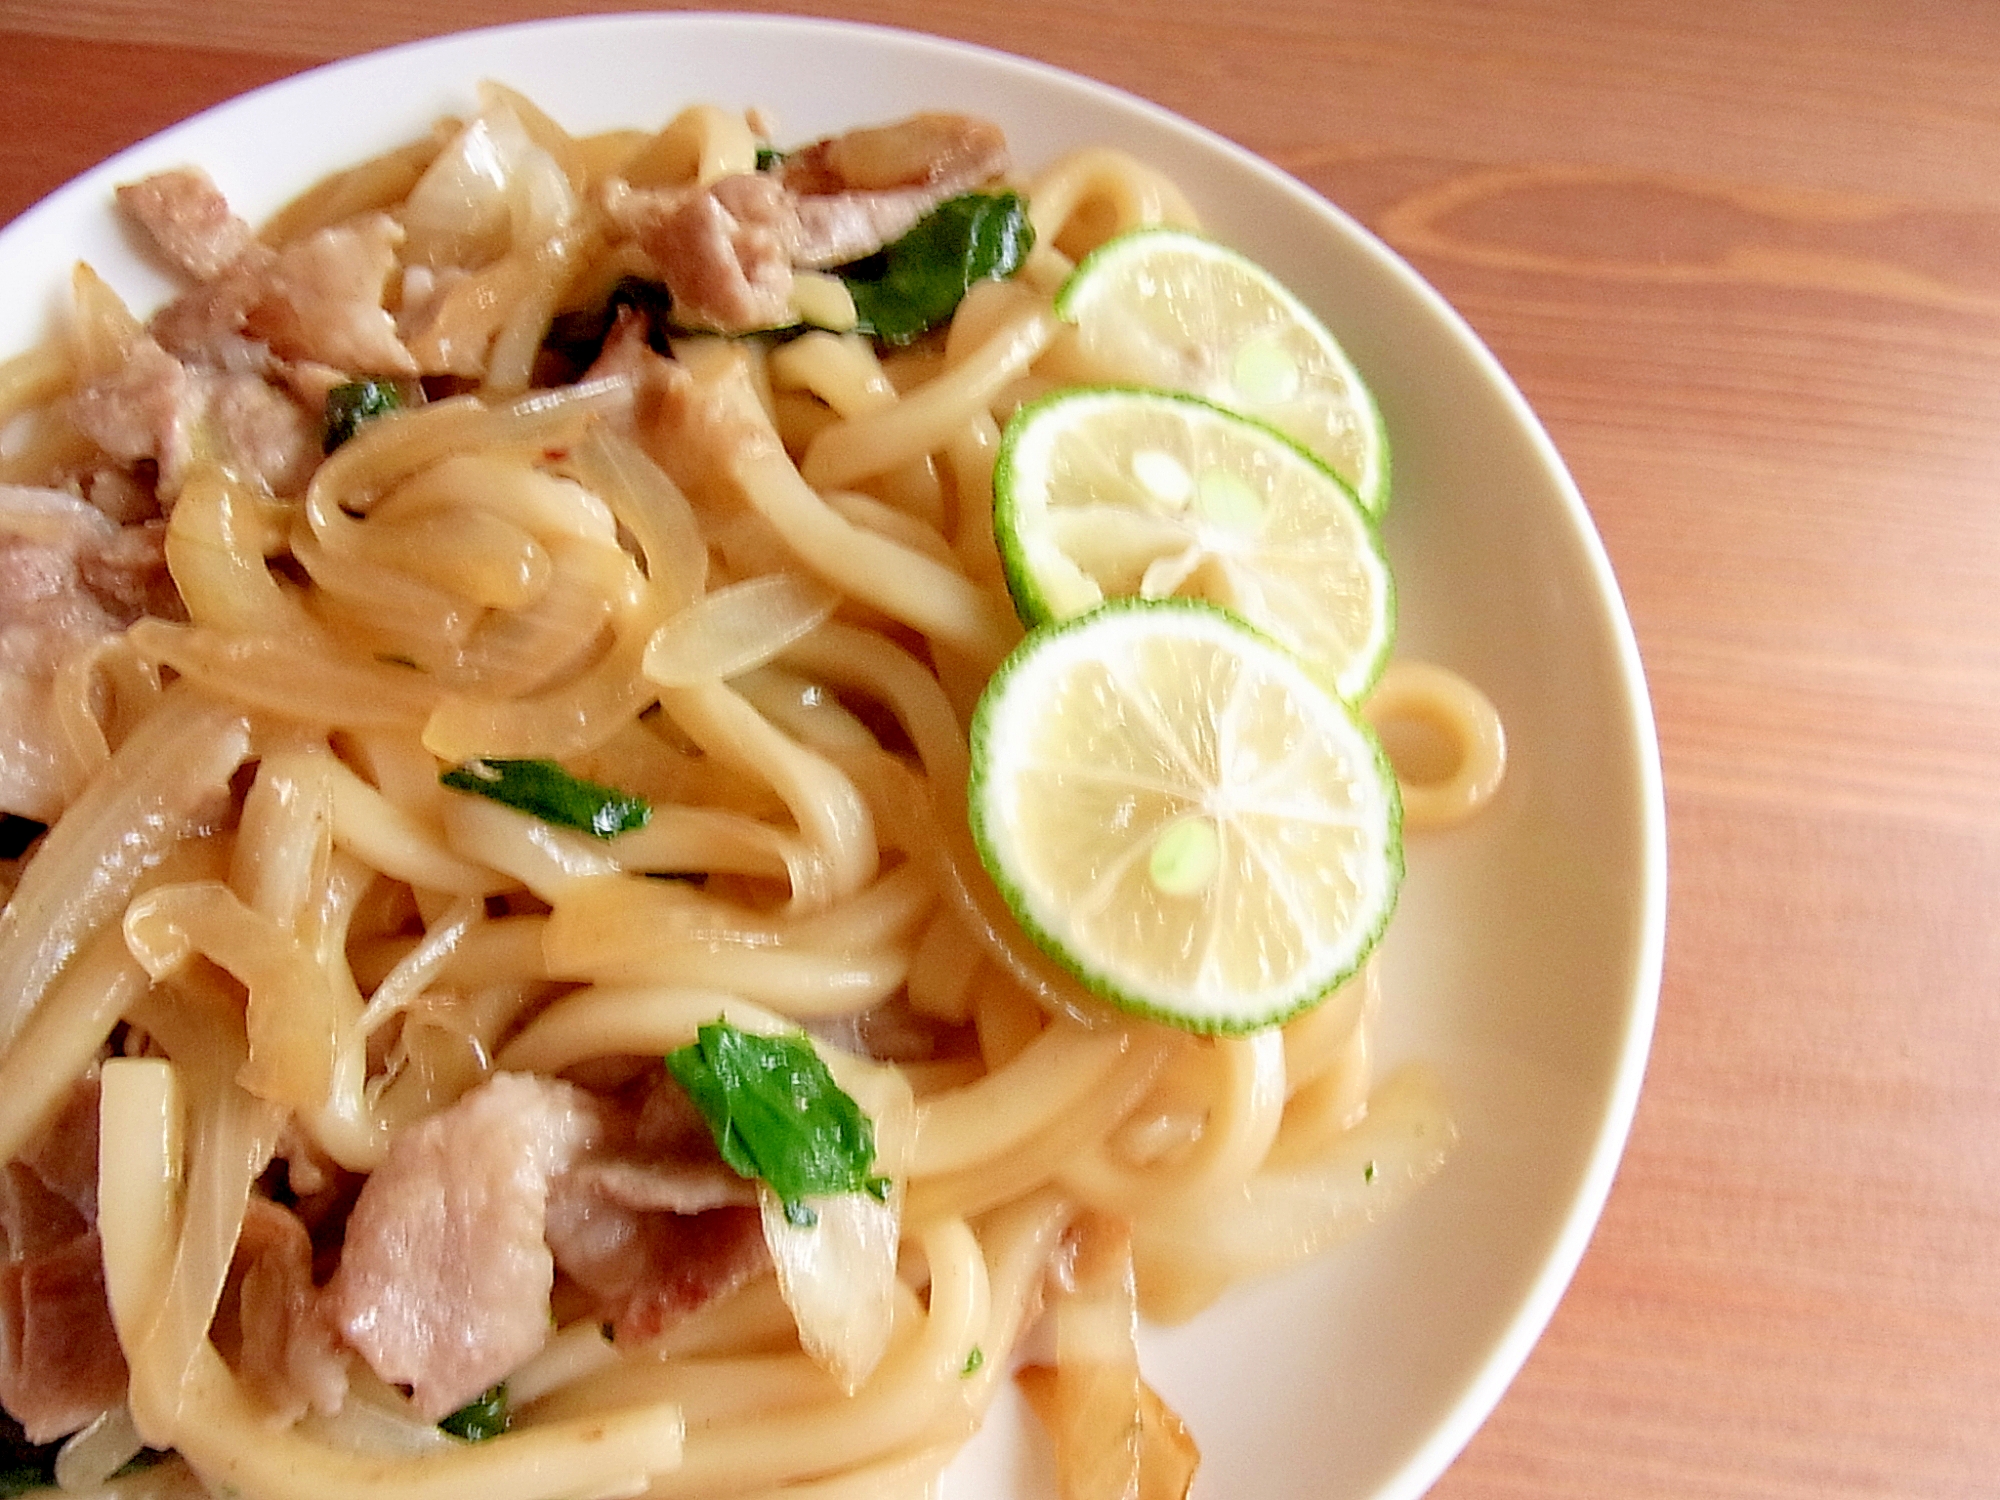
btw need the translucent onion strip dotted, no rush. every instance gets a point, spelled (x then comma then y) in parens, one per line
(64, 1034)
(160, 781)
(571, 718)
(1187, 1256)
(1095, 1414)
(294, 1016)
(652, 507)
(290, 677)
(388, 450)
(736, 628)
(218, 536)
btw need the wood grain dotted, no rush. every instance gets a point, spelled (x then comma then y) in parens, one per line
(1744, 260)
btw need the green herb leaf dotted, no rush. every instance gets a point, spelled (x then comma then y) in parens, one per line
(351, 404)
(973, 1362)
(777, 1114)
(769, 157)
(545, 790)
(484, 1416)
(914, 284)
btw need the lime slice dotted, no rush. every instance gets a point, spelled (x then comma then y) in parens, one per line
(1105, 492)
(1182, 815)
(1164, 307)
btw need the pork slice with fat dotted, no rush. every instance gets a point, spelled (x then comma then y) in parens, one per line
(188, 220)
(444, 1277)
(60, 1363)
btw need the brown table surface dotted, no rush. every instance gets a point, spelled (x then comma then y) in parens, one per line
(1744, 259)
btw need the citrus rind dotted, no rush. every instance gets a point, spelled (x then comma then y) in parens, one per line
(1103, 738)
(1184, 312)
(1301, 560)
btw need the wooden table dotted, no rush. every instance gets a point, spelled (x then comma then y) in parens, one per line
(1745, 261)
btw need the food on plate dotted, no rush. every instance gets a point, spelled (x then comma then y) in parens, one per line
(499, 986)
(1177, 310)
(1113, 491)
(1198, 827)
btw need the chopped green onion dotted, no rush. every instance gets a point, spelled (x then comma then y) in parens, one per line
(484, 1416)
(353, 403)
(544, 790)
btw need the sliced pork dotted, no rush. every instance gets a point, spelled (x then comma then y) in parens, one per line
(60, 1364)
(932, 149)
(69, 577)
(235, 368)
(188, 220)
(204, 327)
(290, 1357)
(156, 409)
(445, 1274)
(858, 192)
(651, 1243)
(727, 250)
(655, 1225)
(321, 299)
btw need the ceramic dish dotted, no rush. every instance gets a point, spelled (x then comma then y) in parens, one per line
(1524, 961)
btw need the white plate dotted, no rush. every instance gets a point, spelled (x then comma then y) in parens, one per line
(1525, 958)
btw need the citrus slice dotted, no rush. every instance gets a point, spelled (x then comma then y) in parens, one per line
(1182, 815)
(1108, 491)
(1164, 307)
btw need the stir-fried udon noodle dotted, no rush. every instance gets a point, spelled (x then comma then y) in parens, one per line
(334, 1095)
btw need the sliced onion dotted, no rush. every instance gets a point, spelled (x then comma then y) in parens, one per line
(376, 1419)
(490, 189)
(1186, 1256)
(737, 628)
(96, 1452)
(839, 1276)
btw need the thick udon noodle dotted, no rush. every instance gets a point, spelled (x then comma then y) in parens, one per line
(262, 896)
